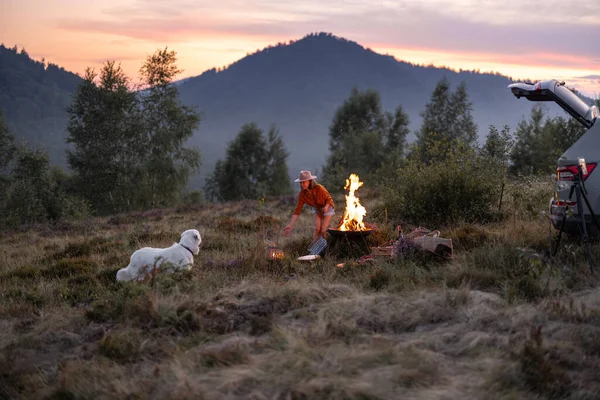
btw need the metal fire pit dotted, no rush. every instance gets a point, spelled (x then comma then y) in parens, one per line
(350, 235)
(349, 243)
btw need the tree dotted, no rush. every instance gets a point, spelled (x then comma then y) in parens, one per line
(7, 145)
(540, 141)
(363, 138)
(495, 157)
(7, 150)
(108, 141)
(498, 145)
(396, 130)
(167, 125)
(447, 116)
(128, 145)
(278, 176)
(36, 193)
(254, 167)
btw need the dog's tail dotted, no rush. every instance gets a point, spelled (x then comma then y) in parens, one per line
(124, 275)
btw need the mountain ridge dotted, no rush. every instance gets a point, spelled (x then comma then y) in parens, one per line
(297, 87)
(305, 81)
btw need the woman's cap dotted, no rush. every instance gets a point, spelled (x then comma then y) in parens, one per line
(305, 176)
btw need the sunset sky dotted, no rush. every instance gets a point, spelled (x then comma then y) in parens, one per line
(536, 39)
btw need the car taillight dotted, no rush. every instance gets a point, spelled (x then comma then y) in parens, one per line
(568, 172)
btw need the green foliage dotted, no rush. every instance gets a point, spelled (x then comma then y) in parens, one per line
(22, 205)
(7, 146)
(7, 150)
(167, 124)
(254, 167)
(115, 306)
(128, 145)
(527, 196)
(498, 145)
(71, 267)
(447, 116)
(104, 131)
(37, 193)
(277, 170)
(363, 139)
(121, 346)
(540, 142)
(456, 186)
(467, 237)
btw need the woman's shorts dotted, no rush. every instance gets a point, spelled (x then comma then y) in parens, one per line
(328, 213)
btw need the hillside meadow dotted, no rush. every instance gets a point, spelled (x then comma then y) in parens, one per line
(500, 320)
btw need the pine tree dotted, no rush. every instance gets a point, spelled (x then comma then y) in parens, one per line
(447, 118)
(541, 140)
(498, 145)
(278, 180)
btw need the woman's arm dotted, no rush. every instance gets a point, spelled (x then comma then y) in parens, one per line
(297, 210)
(288, 229)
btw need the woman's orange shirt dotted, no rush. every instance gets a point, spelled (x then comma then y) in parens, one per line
(316, 197)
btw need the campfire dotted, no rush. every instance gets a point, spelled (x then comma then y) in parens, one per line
(352, 220)
(354, 212)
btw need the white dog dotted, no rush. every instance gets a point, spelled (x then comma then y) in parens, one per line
(178, 256)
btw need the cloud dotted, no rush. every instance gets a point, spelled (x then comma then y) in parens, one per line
(509, 28)
(436, 30)
(541, 33)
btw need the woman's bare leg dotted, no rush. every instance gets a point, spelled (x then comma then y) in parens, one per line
(325, 225)
(318, 224)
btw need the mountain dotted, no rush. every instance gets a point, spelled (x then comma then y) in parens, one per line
(296, 86)
(34, 96)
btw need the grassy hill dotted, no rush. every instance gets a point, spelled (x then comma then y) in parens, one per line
(500, 320)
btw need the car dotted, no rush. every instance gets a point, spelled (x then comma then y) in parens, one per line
(577, 171)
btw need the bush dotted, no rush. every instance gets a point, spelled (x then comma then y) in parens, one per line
(460, 187)
(26, 202)
(22, 205)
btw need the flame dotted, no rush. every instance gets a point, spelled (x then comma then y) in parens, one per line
(354, 212)
(274, 253)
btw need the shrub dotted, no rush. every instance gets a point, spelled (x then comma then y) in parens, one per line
(70, 267)
(121, 346)
(118, 304)
(23, 205)
(517, 270)
(467, 237)
(461, 187)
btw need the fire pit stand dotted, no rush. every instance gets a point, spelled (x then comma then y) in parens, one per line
(354, 243)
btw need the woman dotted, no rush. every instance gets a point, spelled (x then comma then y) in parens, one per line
(318, 198)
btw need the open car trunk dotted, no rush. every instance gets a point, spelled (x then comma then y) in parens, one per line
(553, 90)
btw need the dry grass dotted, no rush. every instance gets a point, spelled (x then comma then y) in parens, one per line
(502, 320)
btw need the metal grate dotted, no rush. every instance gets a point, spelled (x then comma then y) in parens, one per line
(317, 246)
